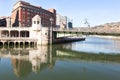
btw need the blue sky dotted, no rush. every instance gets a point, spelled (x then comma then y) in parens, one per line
(96, 11)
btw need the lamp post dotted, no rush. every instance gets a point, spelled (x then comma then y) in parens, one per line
(51, 20)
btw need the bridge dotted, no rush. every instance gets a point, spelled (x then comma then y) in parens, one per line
(87, 30)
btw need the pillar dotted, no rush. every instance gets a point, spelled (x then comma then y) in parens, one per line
(9, 33)
(23, 44)
(0, 34)
(18, 44)
(19, 34)
(14, 44)
(28, 44)
(50, 29)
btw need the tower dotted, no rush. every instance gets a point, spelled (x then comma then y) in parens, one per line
(38, 32)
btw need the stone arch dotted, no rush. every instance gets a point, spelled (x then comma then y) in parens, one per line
(21, 44)
(11, 44)
(5, 33)
(26, 44)
(1, 44)
(24, 33)
(6, 44)
(32, 43)
(17, 44)
(14, 33)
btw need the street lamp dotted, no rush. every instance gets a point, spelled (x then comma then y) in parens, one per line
(51, 20)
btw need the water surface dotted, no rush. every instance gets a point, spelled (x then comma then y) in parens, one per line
(93, 59)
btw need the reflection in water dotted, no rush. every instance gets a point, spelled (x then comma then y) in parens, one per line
(21, 67)
(96, 45)
(38, 57)
(27, 61)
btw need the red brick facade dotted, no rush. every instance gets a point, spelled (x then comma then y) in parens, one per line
(23, 13)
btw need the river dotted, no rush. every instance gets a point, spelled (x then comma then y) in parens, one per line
(96, 58)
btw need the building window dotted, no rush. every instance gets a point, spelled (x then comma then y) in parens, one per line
(23, 12)
(31, 10)
(23, 16)
(46, 34)
(28, 17)
(23, 8)
(28, 21)
(28, 9)
(28, 13)
(37, 22)
(34, 22)
(23, 20)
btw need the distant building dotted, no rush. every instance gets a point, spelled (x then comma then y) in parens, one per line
(70, 25)
(5, 21)
(61, 21)
(23, 12)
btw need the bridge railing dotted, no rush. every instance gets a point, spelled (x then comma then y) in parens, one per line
(65, 29)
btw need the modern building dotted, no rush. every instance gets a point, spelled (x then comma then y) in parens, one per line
(70, 25)
(61, 21)
(23, 12)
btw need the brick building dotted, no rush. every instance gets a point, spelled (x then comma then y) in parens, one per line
(23, 12)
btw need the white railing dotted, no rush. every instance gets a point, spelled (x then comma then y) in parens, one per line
(14, 28)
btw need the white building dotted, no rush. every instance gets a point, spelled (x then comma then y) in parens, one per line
(36, 34)
(61, 21)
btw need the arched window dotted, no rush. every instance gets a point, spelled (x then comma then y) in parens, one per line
(34, 22)
(37, 22)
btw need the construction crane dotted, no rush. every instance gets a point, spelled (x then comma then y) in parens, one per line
(86, 22)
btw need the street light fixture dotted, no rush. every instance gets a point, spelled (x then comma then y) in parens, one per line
(51, 20)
